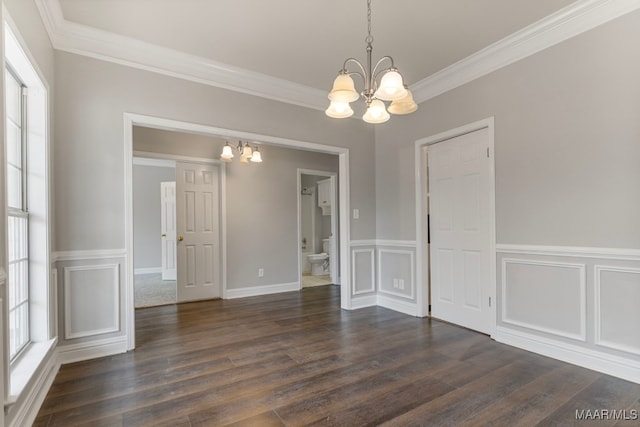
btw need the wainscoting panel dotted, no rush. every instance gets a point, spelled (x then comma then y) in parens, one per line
(617, 308)
(396, 273)
(92, 300)
(545, 296)
(363, 271)
(579, 305)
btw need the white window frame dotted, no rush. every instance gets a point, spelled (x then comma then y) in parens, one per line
(27, 367)
(18, 232)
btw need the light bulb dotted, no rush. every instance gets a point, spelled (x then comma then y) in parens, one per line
(376, 113)
(339, 110)
(391, 87)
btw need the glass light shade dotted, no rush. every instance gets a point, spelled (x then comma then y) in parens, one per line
(246, 151)
(376, 113)
(391, 87)
(339, 110)
(343, 89)
(256, 157)
(227, 152)
(244, 159)
(404, 105)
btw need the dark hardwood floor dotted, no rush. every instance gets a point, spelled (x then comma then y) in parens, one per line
(297, 359)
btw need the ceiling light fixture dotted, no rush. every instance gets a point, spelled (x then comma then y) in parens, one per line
(247, 153)
(391, 88)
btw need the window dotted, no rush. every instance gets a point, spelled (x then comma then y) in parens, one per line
(18, 216)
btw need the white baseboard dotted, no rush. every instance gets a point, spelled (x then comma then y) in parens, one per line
(26, 408)
(620, 367)
(91, 349)
(149, 270)
(262, 290)
(364, 301)
(405, 307)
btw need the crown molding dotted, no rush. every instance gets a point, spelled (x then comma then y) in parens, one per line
(568, 22)
(95, 43)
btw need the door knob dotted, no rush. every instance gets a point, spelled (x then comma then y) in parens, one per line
(164, 235)
(180, 238)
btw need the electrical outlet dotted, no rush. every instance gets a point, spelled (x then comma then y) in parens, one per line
(261, 272)
(401, 284)
(356, 214)
(395, 283)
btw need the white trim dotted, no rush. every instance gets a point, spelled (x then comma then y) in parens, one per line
(381, 242)
(95, 43)
(397, 243)
(154, 162)
(81, 255)
(582, 269)
(92, 349)
(28, 406)
(401, 306)
(173, 158)
(412, 267)
(421, 145)
(363, 302)
(372, 288)
(572, 251)
(360, 243)
(601, 362)
(598, 269)
(262, 290)
(115, 269)
(568, 22)
(149, 270)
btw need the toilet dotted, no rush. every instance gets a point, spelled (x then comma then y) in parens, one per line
(320, 262)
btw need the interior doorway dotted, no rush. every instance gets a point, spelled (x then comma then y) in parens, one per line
(154, 232)
(455, 196)
(318, 260)
(132, 120)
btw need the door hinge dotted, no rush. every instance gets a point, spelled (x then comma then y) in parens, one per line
(487, 152)
(489, 301)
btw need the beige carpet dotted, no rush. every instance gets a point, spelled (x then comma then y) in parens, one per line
(151, 290)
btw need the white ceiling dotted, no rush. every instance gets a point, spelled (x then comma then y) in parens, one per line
(306, 41)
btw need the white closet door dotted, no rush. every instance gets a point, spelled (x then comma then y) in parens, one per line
(459, 188)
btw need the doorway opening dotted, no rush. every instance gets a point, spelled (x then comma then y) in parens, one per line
(318, 260)
(455, 223)
(136, 120)
(154, 231)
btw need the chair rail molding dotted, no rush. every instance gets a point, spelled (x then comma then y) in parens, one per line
(571, 251)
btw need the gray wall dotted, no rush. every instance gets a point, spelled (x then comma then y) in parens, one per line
(89, 134)
(146, 214)
(566, 144)
(567, 135)
(261, 199)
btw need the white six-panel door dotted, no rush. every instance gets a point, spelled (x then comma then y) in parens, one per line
(197, 213)
(168, 229)
(460, 249)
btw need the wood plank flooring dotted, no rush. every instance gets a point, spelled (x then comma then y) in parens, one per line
(296, 359)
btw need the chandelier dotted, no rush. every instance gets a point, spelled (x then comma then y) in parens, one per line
(391, 87)
(247, 153)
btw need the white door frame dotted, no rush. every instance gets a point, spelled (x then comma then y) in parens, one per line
(335, 277)
(131, 120)
(421, 187)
